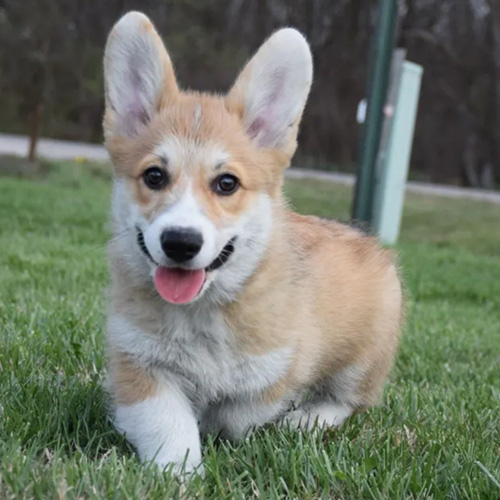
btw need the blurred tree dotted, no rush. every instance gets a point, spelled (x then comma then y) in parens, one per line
(51, 50)
(458, 128)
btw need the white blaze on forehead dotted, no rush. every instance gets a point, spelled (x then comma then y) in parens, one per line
(185, 212)
(182, 152)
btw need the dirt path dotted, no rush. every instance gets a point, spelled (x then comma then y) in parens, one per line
(66, 150)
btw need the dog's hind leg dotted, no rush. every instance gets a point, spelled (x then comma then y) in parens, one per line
(234, 419)
(332, 400)
(326, 414)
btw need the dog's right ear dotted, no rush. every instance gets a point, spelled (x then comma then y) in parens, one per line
(138, 75)
(270, 93)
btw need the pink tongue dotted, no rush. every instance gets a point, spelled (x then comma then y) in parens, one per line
(177, 285)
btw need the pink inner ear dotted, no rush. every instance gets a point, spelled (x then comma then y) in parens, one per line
(137, 112)
(134, 119)
(256, 126)
(136, 115)
(264, 126)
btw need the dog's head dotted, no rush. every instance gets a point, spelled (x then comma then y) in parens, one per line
(197, 176)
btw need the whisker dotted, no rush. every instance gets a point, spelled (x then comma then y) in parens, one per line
(122, 232)
(115, 237)
(256, 243)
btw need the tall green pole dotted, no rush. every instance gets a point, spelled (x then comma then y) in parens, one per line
(378, 82)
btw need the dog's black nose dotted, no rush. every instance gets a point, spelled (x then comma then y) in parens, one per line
(181, 244)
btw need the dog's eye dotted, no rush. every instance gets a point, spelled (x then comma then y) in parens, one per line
(225, 184)
(155, 177)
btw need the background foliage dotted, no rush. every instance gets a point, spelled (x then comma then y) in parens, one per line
(51, 51)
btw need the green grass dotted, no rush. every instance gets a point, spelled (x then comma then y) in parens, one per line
(436, 434)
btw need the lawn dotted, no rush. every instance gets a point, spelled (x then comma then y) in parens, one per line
(435, 435)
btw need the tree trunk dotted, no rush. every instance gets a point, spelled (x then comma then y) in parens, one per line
(34, 134)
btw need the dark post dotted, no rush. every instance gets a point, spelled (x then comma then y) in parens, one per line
(378, 82)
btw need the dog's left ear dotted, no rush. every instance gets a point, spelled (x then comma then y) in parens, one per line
(271, 91)
(138, 75)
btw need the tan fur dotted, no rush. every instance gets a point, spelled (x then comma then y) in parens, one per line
(326, 290)
(131, 383)
(256, 169)
(338, 303)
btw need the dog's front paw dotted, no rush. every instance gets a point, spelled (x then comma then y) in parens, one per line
(164, 431)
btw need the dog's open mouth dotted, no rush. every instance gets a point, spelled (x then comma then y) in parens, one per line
(180, 286)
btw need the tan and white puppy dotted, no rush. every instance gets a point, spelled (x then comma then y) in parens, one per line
(227, 310)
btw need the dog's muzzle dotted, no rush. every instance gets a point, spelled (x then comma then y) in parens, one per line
(219, 261)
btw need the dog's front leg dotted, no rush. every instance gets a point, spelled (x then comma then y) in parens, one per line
(156, 417)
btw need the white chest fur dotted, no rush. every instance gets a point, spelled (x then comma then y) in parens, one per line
(196, 346)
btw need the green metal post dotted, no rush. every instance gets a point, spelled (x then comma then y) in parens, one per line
(378, 81)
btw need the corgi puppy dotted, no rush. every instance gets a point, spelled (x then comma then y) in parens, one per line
(227, 310)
